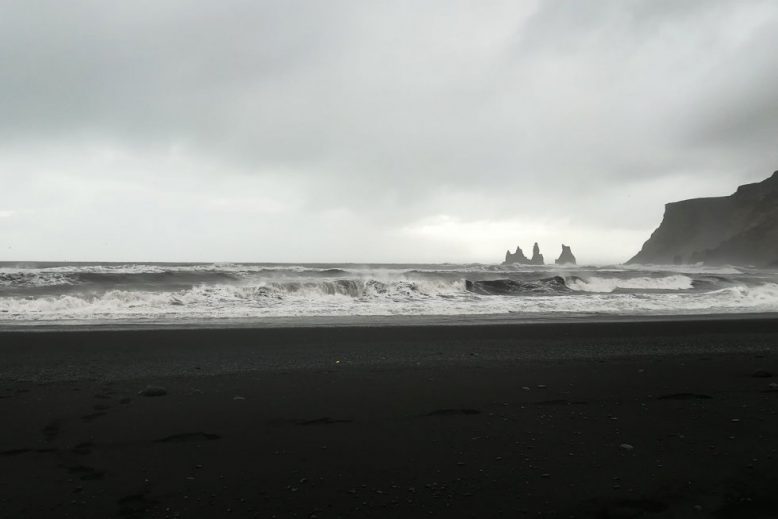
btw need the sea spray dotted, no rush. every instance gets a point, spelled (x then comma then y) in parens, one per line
(62, 293)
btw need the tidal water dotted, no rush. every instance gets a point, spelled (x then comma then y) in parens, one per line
(64, 293)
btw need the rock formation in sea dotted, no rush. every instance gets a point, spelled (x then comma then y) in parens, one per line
(739, 229)
(519, 258)
(566, 258)
(516, 257)
(537, 257)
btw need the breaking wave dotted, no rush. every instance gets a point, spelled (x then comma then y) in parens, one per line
(505, 287)
(611, 284)
(62, 293)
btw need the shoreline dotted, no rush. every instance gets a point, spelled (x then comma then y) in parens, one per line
(52, 355)
(370, 321)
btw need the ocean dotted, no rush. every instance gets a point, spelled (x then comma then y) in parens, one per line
(256, 293)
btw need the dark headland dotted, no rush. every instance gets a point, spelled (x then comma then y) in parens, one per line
(622, 419)
(740, 229)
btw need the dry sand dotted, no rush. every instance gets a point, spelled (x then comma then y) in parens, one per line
(645, 419)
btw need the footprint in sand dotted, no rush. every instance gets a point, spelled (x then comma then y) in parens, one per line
(135, 505)
(86, 473)
(561, 402)
(684, 396)
(326, 420)
(83, 448)
(51, 431)
(92, 416)
(189, 437)
(631, 507)
(454, 412)
(15, 452)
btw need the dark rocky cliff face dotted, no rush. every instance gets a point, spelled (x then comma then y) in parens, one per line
(740, 229)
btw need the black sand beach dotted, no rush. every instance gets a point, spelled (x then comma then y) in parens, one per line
(625, 419)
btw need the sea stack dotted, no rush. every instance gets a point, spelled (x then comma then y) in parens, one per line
(537, 257)
(516, 257)
(566, 258)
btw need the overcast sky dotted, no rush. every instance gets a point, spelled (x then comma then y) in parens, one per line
(366, 131)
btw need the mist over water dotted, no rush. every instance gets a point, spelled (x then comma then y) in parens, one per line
(201, 293)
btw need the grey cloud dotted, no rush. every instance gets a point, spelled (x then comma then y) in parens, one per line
(395, 112)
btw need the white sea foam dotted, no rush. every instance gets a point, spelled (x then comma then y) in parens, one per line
(609, 284)
(723, 270)
(62, 293)
(371, 298)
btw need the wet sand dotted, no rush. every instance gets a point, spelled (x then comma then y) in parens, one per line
(643, 419)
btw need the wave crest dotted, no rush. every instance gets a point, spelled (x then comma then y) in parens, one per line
(253, 291)
(611, 284)
(502, 287)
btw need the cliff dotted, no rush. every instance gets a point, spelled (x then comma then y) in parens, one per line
(740, 229)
